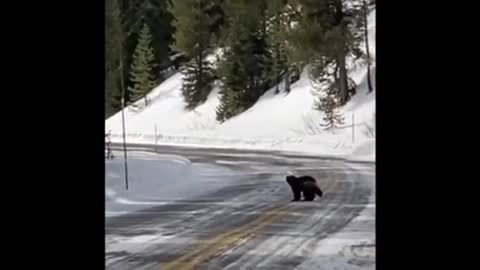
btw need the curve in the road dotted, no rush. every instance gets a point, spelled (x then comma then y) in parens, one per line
(211, 231)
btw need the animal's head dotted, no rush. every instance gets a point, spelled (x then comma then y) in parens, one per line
(291, 179)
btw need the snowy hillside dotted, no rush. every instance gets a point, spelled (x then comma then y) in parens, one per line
(275, 122)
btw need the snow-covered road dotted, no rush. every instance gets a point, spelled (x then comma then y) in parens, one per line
(231, 209)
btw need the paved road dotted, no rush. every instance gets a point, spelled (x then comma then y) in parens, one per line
(251, 224)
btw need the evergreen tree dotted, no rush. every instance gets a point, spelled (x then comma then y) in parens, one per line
(155, 14)
(245, 69)
(195, 22)
(141, 74)
(228, 106)
(279, 64)
(197, 81)
(329, 105)
(276, 42)
(216, 17)
(327, 32)
(113, 55)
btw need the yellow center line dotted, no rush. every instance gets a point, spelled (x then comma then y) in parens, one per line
(221, 243)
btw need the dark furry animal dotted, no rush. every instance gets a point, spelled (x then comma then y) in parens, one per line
(306, 185)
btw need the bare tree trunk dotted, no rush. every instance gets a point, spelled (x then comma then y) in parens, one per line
(277, 82)
(369, 82)
(277, 71)
(200, 73)
(343, 79)
(341, 57)
(287, 80)
(123, 120)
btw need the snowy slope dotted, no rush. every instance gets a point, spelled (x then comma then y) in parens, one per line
(283, 122)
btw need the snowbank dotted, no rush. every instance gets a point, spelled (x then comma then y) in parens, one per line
(275, 122)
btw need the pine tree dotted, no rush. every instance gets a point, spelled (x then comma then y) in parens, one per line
(197, 81)
(329, 105)
(279, 64)
(245, 69)
(113, 54)
(228, 106)
(141, 69)
(195, 22)
(327, 32)
(236, 84)
(216, 17)
(155, 14)
(276, 41)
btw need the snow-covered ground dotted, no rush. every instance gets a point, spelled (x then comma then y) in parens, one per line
(279, 122)
(156, 179)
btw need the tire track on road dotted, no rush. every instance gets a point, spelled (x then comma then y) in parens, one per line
(216, 219)
(248, 225)
(316, 224)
